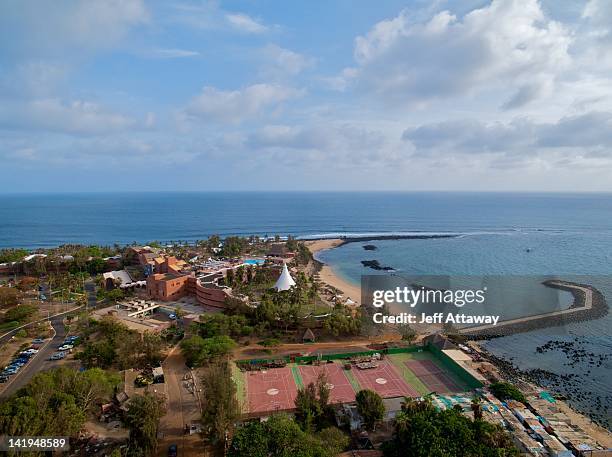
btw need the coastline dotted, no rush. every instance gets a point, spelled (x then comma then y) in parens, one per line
(327, 274)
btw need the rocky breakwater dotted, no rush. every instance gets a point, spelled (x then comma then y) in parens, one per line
(588, 304)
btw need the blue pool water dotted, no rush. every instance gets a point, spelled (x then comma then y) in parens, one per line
(254, 261)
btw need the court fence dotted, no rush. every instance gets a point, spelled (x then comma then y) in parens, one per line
(446, 361)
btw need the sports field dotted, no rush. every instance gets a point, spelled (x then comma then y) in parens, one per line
(411, 374)
(270, 390)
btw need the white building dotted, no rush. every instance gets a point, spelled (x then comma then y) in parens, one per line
(284, 281)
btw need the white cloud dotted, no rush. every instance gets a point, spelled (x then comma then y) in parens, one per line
(587, 135)
(245, 23)
(174, 53)
(509, 45)
(280, 61)
(68, 26)
(599, 13)
(238, 105)
(51, 114)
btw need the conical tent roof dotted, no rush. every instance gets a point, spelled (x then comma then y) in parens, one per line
(284, 281)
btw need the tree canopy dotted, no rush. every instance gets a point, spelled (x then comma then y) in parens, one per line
(56, 402)
(198, 350)
(142, 418)
(119, 346)
(505, 391)
(371, 407)
(311, 403)
(219, 405)
(423, 431)
(282, 437)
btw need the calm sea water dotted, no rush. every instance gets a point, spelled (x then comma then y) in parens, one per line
(49, 220)
(567, 234)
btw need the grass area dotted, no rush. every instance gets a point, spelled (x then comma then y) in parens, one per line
(297, 377)
(6, 326)
(398, 362)
(352, 380)
(241, 388)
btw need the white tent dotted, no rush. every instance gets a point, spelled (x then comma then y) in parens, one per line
(284, 281)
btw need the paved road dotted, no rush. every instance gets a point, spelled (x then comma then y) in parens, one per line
(90, 288)
(41, 362)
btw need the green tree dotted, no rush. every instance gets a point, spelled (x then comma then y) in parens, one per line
(142, 418)
(334, 439)
(56, 402)
(198, 350)
(408, 333)
(9, 296)
(213, 242)
(20, 313)
(219, 405)
(311, 404)
(370, 406)
(279, 437)
(422, 431)
(115, 295)
(12, 255)
(476, 406)
(505, 391)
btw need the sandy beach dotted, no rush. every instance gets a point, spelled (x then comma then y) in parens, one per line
(328, 275)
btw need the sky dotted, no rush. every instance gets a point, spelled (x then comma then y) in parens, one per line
(472, 95)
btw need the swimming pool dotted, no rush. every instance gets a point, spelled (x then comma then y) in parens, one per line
(254, 261)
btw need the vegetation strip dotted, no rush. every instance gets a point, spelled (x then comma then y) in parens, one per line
(297, 377)
(352, 380)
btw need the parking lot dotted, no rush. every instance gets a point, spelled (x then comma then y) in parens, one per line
(24, 365)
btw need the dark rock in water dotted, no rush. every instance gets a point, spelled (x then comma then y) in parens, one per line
(375, 265)
(369, 247)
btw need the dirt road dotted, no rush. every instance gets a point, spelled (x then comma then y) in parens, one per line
(182, 409)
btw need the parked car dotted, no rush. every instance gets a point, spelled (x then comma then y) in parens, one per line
(172, 450)
(38, 341)
(142, 381)
(30, 351)
(66, 347)
(3, 379)
(58, 356)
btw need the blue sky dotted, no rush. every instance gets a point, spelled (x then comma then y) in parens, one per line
(329, 95)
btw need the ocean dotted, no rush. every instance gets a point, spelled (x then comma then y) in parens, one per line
(559, 235)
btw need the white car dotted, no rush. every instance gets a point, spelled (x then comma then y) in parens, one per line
(30, 351)
(66, 347)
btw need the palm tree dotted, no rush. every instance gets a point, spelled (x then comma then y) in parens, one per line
(477, 408)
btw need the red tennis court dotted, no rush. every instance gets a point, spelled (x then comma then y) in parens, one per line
(271, 390)
(434, 377)
(384, 380)
(341, 390)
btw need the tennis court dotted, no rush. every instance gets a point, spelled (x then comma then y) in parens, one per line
(271, 390)
(384, 380)
(341, 390)
(433, 376)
